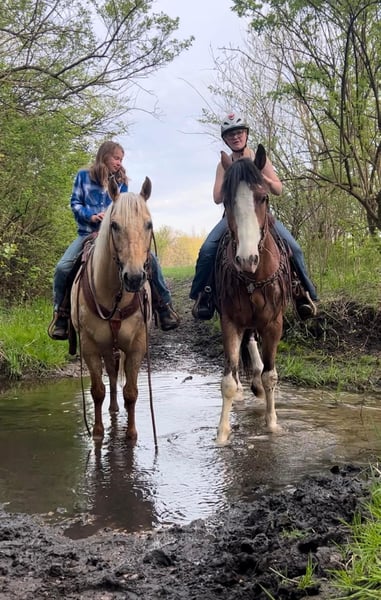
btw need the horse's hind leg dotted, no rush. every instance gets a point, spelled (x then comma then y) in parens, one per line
(270, 341)
(257, 367)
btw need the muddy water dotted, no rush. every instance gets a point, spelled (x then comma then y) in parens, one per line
(50, 467)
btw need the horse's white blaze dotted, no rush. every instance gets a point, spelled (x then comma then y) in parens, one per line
(248, 230)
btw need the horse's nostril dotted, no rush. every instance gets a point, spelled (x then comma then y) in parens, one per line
(238, 260)
(133, 283)
(255, 260)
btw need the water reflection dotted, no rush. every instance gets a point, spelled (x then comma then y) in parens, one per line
(118, 494)
(49, 465)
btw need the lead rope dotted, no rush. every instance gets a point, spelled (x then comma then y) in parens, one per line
(80, 356)
(145, 315)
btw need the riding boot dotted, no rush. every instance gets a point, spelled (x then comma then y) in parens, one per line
(203, 308)
(305, 306)
(168, 317)
(59, 326)
(164, 312)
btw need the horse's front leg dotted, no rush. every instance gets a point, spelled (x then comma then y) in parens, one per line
(112, 367)
(132, 364)
(98, 392)
(230, 384)
(270, 341)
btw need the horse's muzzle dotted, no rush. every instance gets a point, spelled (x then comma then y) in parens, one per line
(134, 282)
(247, 265)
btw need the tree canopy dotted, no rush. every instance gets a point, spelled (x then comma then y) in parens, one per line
(69, 75)
(328, 59)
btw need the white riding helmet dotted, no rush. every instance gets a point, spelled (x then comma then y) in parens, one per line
(233, 121)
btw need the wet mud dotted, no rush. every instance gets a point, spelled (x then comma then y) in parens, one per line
(238, 554)
(254, 550)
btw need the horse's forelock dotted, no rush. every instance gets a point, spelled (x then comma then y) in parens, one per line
(127, 208)
(242, 170)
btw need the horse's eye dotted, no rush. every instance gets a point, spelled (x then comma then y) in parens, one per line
(114, 226)
(149, 226)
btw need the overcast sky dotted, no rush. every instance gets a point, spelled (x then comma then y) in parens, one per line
(175, 152)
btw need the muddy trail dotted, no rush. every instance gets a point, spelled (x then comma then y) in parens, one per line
(254, 550)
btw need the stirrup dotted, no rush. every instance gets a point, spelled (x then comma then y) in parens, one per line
(305, 307)
(203, 308)
(57, 332)
(167, 317)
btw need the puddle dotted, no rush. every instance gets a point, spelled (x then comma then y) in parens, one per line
(50, 467)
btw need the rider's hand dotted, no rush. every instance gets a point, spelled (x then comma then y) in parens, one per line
(97, 218)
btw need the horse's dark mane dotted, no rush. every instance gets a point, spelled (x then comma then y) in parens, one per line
(244, 170)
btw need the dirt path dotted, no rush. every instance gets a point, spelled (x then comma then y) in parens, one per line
(235, 555)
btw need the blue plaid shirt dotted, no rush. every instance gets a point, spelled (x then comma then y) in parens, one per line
(89, 198)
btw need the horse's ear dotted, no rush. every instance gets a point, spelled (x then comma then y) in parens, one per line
(226, 160)
(113, 188)
(260, 157)
(146, 188)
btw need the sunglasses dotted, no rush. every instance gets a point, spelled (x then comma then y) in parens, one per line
(236, 132)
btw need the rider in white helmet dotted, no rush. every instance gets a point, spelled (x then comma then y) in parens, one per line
(232, 122)
(235, 132)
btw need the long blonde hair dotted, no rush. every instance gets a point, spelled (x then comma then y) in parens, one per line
(99, 171)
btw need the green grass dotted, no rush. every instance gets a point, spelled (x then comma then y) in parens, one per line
(303, 582)
(179, 273)
(314, 368)
(24, 342)
(360, 578)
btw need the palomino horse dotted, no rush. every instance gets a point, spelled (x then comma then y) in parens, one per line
(252, 288)
(111, 303)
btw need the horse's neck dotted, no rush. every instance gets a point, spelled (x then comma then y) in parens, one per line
(104, 274)
(269, 257)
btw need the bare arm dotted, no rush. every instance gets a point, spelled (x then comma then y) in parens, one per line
(268, 172)
(271, 178)
(217, 189)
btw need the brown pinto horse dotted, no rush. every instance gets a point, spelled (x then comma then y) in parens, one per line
(252, 288)
(111, 303)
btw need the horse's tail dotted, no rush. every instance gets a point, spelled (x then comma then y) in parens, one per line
(246, 358)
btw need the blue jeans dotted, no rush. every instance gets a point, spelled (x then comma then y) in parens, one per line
(297, 259)
(206, 258)
(66, 263)
(208, 252)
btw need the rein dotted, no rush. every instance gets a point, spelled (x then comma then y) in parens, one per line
(250, 281)
(88, 289)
